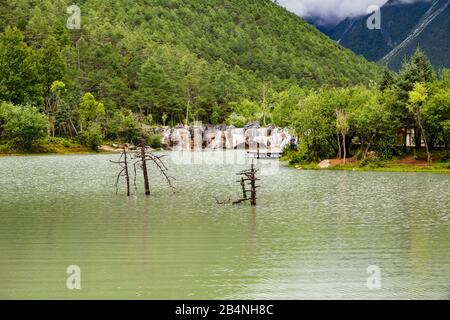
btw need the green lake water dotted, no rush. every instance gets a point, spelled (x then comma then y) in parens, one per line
(312, 236)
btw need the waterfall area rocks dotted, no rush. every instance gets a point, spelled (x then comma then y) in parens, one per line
(202, 137)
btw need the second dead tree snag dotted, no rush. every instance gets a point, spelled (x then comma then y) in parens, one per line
(244, 192)
(143, 162)
(248, 177)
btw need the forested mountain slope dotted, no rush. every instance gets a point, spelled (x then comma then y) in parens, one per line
(160, 55)
(404, 27)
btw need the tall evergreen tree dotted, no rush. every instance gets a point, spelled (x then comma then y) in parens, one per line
(416, 70)
(18, 70)
(52, 65)
(388, 80)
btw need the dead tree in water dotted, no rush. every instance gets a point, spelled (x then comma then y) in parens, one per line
(143, 155)
(244, 192)
(248, 176)
(123, 162)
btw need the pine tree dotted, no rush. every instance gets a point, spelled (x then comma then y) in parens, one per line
(389, 78)
(19, 70)
(416, 70)
(52, 65)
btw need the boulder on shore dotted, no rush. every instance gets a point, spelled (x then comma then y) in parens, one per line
(325, 164)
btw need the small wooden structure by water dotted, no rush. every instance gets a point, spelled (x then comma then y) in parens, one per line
(264, 153)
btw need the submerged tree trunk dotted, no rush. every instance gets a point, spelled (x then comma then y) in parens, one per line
(253, 186)
(257, 150)
(127, 174)
(244, 192)
(250, 176)
(144, 156)
(144, 167)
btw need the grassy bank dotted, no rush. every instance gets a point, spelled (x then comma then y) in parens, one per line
(65, 149)
(47, 149)
(388, 167)
(406, 163)
(49, 146)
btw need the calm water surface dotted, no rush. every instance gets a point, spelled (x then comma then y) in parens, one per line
(312, 235)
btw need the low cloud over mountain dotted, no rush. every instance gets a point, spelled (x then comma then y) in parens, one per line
(329, 12)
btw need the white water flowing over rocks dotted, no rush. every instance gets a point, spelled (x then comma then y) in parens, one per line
(225, 137)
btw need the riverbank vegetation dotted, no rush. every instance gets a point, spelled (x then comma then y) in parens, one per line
(376, 124)
(407, 162)
(130, 69)
(371, 127)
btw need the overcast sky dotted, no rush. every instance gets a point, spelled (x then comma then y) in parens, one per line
(331, 11)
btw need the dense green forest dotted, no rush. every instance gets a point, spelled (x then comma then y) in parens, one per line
(372, 122)
(160, 61)
(136, 65)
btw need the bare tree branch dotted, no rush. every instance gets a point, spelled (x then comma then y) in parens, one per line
(123, 162)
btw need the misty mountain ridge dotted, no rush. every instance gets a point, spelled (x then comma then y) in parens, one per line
(404, 27)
